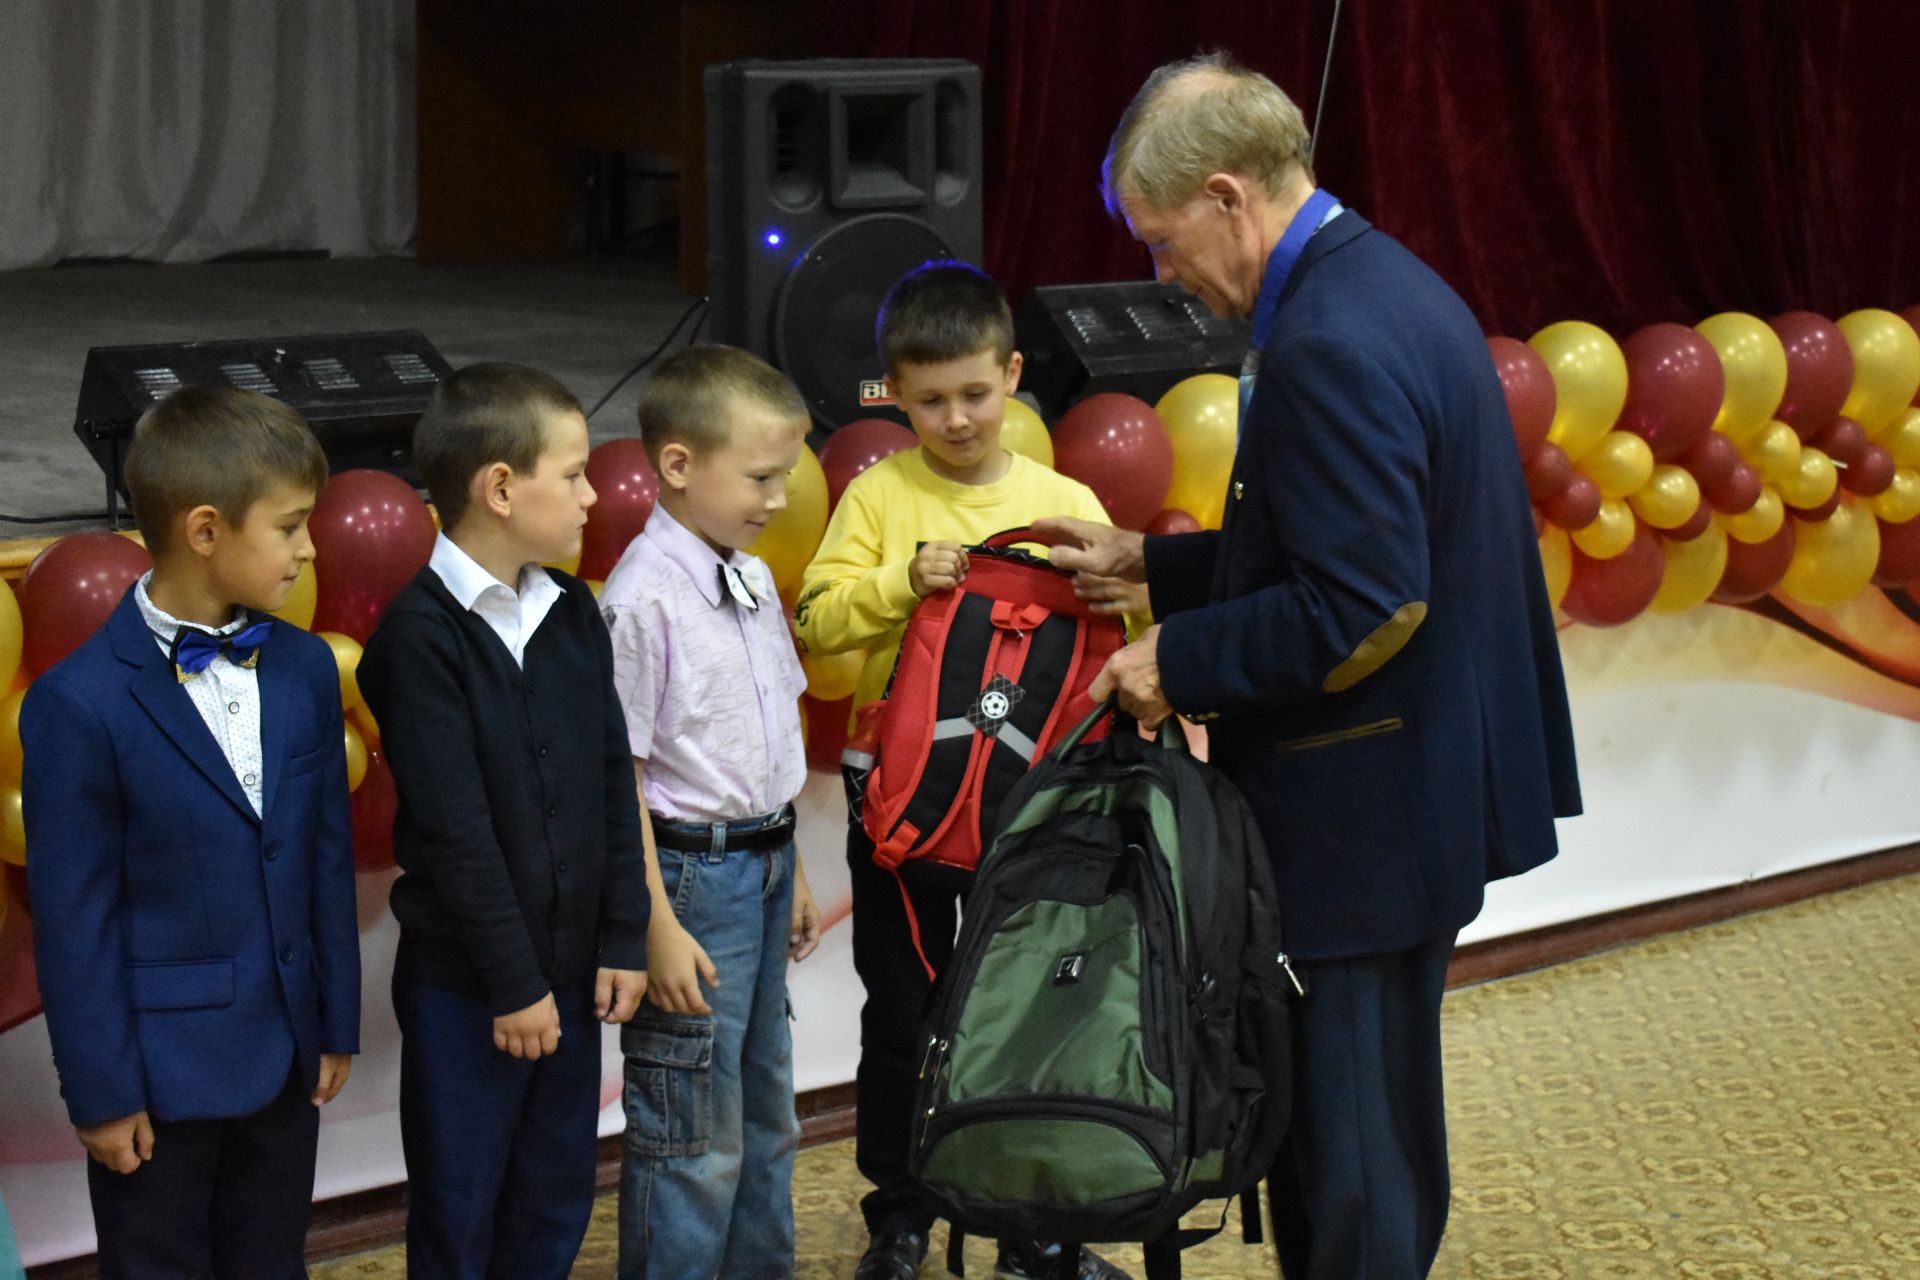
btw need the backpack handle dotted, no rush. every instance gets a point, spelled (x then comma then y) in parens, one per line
(1013, 537)
(1169, 737)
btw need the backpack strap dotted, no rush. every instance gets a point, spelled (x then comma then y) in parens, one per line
(956, 1251)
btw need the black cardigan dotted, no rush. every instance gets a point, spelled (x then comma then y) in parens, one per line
(518, 833)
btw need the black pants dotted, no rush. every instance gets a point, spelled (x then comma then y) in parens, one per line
(1359, 1190)
(223, 1198)
(897, 988)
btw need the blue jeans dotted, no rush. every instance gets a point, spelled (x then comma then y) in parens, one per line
(706, 1184)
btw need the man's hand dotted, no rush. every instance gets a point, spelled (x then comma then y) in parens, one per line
(334, 1068)
(804, 933)
(1134, 673)
(678, 965)
(1112, 595)
(1100, 550)
(531, 1032)
(122, 1145)
(938, 566)
(617, 993)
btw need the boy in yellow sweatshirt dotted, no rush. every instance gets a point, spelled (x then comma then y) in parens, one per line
(899, 533)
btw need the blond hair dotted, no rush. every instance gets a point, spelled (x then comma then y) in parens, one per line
(693, 395)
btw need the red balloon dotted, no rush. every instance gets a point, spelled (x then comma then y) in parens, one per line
(857, 446)
(1172, 520)
(1529, 390)
(1821, 512)
(373, 808)
(1547, 471)
(1819, 371)
(1755, 568)
(371, 534)
(1606, 593)
(1674, 387)
(1737, 493)
(1577, 503)
(70, 589)
(1711, 460)
(1899, 554)
(1695, 526)
(1118, 447)
(826, 731)
(1870, 473)
(1843, 442)
(623, 478)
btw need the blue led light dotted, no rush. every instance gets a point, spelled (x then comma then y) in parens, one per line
(773, 239)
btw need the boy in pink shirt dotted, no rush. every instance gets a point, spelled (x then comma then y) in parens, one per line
(710, 683)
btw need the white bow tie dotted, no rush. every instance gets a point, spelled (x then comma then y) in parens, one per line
(748, 585)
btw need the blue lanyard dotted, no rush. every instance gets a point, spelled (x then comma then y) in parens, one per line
(1320, 206)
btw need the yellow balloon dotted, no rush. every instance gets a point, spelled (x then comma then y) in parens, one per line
(346, 656)
(832, 676)
(1202, 414)
(1886, 368)
(1694, 568)
(1833, 559)
(356, 759)
(1812, 482)
(1610, 533)
(1620, 464)
(596, 585)
(1556, 562)
(13, 827)
(10, 635)
(1589, 382)
(1903, 439)
(1760, 521)
(297, 608)
(13, 756)
(1668, 499)
(1899, 502)
(1024, 432)
(788, 542)
(369, 728)
(1774, 452)
(1755, 364)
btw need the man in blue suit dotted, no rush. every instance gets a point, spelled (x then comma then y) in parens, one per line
(190, 867)
(1367, 637)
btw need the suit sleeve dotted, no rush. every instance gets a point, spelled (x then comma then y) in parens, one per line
(336, 927)
(848, 598)
(625, 904)
(1340, 464)
(410, 675)
(1180, 571)
(76, 829)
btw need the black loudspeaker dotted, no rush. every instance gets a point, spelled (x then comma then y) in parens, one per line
(827, 181)
(1138, 337)
(361, 392)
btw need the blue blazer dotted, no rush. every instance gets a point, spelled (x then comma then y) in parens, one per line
(1368, 635)
(190, 953)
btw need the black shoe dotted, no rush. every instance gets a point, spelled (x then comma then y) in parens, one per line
(892, 1255)
(1032, 1260)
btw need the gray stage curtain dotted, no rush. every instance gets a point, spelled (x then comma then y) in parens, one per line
(180, 130)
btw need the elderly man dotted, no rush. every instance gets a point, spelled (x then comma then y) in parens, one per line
(1367, 637)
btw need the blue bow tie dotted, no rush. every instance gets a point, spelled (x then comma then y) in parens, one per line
(194, 650)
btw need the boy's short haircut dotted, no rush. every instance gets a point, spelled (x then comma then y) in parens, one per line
(220, 447)
(483, 414)
(944, 310)
(692, 395)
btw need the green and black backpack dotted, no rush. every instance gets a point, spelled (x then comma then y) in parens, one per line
(1108, 1046)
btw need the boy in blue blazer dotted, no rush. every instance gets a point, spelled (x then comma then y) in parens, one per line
(192, 873)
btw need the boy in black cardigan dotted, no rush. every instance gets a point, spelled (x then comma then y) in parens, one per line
(523, 900)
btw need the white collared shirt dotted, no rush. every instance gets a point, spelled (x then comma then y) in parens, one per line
(226, 695)
(513, 615)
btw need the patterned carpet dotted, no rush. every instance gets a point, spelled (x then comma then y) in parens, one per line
(1741, 1102)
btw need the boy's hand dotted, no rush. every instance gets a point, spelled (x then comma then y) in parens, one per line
(531, 1032)
(1099, 549)
(937, 567)
(617, 993)
(334, 1068)
(679, 965)
(804, 933)
(122, 1145)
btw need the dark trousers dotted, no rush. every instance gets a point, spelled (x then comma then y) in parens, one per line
(222, 1198)
(897, 988)
(500, 1151)
(1359, 1190)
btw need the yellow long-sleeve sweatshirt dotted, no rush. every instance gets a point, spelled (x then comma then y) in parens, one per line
(856, 593)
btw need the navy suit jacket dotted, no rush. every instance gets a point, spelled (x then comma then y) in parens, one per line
(190, 953)
(1368, 635)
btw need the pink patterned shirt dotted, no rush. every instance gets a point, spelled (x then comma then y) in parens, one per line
(710, 687)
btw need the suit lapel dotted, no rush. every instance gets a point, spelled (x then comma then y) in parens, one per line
(276, 707)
